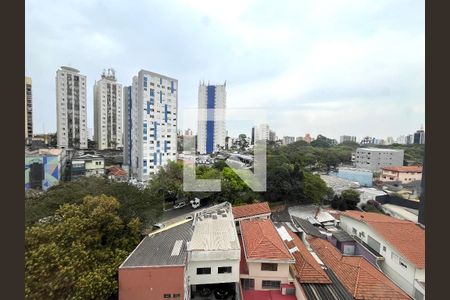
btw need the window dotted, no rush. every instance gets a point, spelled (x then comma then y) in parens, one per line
(384, 248)
(222, 270)
(176, 296)
(354, 231)
(269, 267)
(167, 296)
(402, 263)
(270, 284)
(203, 271)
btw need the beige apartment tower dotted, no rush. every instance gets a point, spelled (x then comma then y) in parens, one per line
(71, 109)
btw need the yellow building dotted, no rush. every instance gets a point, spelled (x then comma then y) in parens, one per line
(28, 109)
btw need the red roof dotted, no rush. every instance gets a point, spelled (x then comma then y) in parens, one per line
(250, 210)
(415, 169)
(116, 171)
(261, 241)
(359, 276)
(406, 237)
(306, 268)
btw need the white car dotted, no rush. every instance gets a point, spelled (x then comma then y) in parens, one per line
(158, 226)
(179, 205)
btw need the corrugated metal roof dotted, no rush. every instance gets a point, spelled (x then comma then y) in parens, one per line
(307, 227)
(334, 291)
(157, 249)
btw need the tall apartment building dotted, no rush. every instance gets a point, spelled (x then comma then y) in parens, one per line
(401, 140)
(260, 132)
(108, 114)
(374, 158)
(28, 108)
(71, 108)
(288, 140)
(419, 136)
(272, 136)
(347, 138)
(151, 115)
(127, 126)
(211, 124)
(308, 138)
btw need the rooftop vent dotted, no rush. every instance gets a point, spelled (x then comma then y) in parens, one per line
(214, 216)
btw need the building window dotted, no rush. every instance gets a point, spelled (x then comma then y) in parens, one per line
(384, 248)
(269, 267)
(354, 231)
(402, 263)
(167, 296)
(222, 270)
(176, 296)
(270, 284)
(203, 271)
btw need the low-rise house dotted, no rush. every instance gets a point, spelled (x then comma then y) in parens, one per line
(156, 269)
(400, 242)
(402, 174)
(312, 280)
(87, 165)
(214, 251)
(361, 279)
(115, 173)
(251, 211)
(265, 259)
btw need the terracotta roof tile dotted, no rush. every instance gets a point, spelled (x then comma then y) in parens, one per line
(406, 237)
(358, 276)
(306, 268)
(415, 169)
(251, 210)
(261, 241)
(116, 171)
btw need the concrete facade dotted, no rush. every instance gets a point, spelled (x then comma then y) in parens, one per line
(211, 125)
(375, 158)
(71, 110)
(153, 134)
(108, 114)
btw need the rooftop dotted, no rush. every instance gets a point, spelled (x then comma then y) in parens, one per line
(342, 236)
(262, 242)
(415, 169)
(117, 171)
(214, 229)
(250, 210)
(380, 149)
(266, 295)
(306, 269)
(167, 247)
(359, 277)
(307, 227)
(335, 291)
(406, 237)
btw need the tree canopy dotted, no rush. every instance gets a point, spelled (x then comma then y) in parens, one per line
(75, 253)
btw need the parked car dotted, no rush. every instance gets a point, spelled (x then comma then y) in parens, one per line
(158, 226)
(179, 205)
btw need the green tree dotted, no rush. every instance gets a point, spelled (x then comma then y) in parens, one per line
(315, 189)
(76, 252)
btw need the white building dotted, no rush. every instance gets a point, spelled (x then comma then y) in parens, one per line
(260, 133)
(151, 123)
(211, 126)
(214, 252)
(108, 114)
(376, 158)
(71, 109)
(400, 242)
(288, 140)
(347, 138)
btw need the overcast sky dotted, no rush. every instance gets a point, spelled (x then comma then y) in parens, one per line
(328, 67)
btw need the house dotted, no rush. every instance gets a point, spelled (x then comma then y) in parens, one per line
(312, 280)
(361, 279)
(400, 242)
(115, 173)
(87, 165)
(265, 260)
(144, 275)
(214, 251)
(403, 174)
(251, 211)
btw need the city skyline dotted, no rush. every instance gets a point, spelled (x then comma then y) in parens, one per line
(358, 71)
